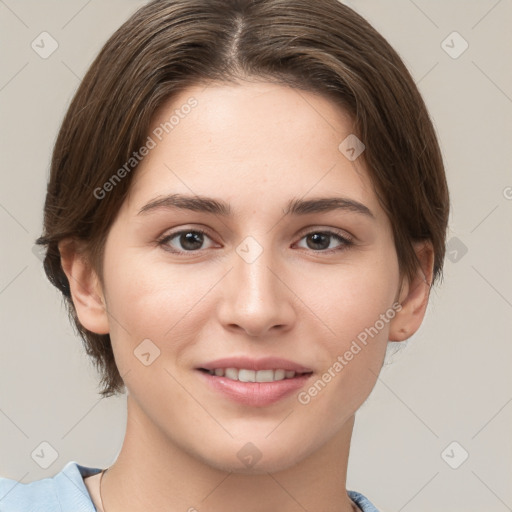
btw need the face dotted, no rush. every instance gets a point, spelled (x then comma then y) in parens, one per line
(254, 279)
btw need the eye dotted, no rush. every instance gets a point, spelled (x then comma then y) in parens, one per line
(320, 241)
(187, 240)
(190, 240)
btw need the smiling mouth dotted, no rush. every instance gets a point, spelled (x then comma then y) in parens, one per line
(244, 375)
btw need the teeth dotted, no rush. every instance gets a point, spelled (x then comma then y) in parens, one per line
(281, 374)
(231, 373)
(247, 375)
(244, 375)
(263, 376)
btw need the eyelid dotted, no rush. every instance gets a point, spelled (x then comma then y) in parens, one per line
(328, 230)
(346, 239)
(172, 234)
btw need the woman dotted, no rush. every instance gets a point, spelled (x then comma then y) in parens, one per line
(247, 201)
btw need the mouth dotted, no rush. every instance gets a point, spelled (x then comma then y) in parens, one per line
(247, 375)
(253, 388)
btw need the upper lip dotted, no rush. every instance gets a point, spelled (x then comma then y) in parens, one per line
(248, 363)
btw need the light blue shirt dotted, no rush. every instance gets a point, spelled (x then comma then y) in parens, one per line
(66, 492)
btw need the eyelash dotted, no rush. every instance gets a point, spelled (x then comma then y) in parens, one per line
(345, 241)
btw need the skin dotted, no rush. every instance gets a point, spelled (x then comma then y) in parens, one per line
(255, 146)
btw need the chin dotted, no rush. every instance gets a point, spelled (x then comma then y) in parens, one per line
(258, 458)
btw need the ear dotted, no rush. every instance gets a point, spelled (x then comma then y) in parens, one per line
(85, 286)
(414, 295)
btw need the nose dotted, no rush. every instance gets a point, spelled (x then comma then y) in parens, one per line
(257, 299)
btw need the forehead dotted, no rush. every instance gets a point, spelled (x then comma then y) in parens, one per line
(254, 140)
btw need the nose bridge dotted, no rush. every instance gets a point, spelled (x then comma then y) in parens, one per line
(252, 267)
(258, 299)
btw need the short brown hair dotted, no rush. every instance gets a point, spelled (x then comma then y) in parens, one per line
(168, 45)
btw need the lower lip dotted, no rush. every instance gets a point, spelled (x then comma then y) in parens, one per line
(255, 394)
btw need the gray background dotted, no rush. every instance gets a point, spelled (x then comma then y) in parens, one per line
(452, 382)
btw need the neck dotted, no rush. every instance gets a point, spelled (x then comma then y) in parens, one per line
(153, 470)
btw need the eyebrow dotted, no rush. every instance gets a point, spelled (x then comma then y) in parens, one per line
(294, 206)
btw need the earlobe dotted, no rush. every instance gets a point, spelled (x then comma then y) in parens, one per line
(85, 287)
(414, 296)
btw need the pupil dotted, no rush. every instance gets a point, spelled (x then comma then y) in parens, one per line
(191, 238)
(318, 237)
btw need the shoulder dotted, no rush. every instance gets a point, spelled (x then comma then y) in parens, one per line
(362, 502)
(64, 492)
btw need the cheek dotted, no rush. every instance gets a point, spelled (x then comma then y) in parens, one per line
(360, 321)
(169, 304)
(155, 301)
(357, 308)
(350, 299)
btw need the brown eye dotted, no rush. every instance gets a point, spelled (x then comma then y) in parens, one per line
(187, 240)
(320, 241)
